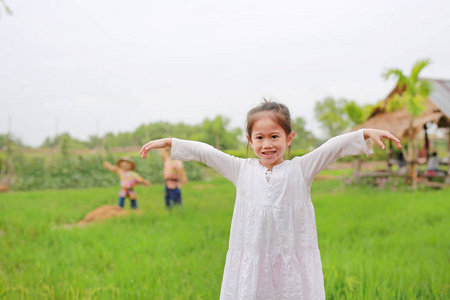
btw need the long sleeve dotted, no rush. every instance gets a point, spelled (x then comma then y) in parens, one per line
(225, 164)
(340, 146)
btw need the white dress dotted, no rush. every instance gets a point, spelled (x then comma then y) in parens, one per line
(273, 251)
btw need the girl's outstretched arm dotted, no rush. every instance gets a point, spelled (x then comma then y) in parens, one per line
(353, 143)
(155, 144)
(378, 135)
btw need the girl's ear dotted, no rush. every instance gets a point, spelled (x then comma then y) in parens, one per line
(290, 137)
(249, 142)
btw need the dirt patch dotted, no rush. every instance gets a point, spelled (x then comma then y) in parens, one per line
(99, 214)
(341, 165)
(3, 188)
(102, 213)
(326, 177)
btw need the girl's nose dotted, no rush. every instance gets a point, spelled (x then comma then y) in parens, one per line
(267, 143)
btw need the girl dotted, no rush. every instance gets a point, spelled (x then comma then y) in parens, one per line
(273, 251)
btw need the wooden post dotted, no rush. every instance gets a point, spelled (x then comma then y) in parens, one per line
(390, 156)
(412, 154)
(448, 147)
(427, 141)
(447, 179)
(357, 164)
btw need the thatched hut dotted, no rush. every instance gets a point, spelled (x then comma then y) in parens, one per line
(398, 122)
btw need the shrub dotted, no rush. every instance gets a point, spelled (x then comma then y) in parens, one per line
(82, 171)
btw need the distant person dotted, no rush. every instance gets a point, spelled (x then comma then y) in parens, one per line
(401, 164)
(433, 166)
(433, 162)
(128, 179)
(174, 178)
(273, 250)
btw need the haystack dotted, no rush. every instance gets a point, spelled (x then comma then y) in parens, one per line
(102, 213)
(3, 187)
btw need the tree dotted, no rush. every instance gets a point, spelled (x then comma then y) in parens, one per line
(64, 142)
(215, 133)
(303, 139)
(7, 141)
(412, 94)
(332, 116)
(357, 114)
(93, 142)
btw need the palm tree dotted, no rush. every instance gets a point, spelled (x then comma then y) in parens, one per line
(412, 94)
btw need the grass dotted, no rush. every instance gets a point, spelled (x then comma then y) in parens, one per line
(374, 244)
(384, 245)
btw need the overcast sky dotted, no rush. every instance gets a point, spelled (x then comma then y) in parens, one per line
(94, 66)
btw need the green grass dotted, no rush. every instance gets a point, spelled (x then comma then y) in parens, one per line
(384, 245)
(374, 244)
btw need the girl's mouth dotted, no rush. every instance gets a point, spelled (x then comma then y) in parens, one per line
(268, 153)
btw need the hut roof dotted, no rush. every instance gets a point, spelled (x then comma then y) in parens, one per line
(437, 110)
(440, 95)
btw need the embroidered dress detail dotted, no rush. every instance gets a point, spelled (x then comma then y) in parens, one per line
(268, 174)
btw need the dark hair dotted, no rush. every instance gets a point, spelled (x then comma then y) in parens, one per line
(277, 111)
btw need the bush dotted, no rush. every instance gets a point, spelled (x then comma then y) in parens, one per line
(83, 171)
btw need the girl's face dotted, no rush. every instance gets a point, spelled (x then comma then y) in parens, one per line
(269, 141)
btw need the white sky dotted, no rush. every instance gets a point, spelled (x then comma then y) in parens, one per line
(100, 66)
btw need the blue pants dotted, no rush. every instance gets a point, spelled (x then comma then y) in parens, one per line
(133, 202)
(172, 195)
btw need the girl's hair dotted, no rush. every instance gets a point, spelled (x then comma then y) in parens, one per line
(277, 111)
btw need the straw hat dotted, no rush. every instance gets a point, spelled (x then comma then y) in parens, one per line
(126, 158)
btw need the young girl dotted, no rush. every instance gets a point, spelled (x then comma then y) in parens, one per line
(273, 251)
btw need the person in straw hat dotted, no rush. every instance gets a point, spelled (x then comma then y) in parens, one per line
(128, 179)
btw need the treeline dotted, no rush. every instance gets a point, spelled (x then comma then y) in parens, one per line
(334, 117)
(216, 132)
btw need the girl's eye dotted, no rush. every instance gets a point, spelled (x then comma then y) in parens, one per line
(259, 137)
(274, 136)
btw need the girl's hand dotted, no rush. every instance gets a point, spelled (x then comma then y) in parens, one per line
(378, 135)
(156, 144)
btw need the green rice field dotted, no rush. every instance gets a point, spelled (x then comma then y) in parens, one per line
(375, 244)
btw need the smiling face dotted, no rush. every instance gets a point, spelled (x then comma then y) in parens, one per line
(269, 141)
